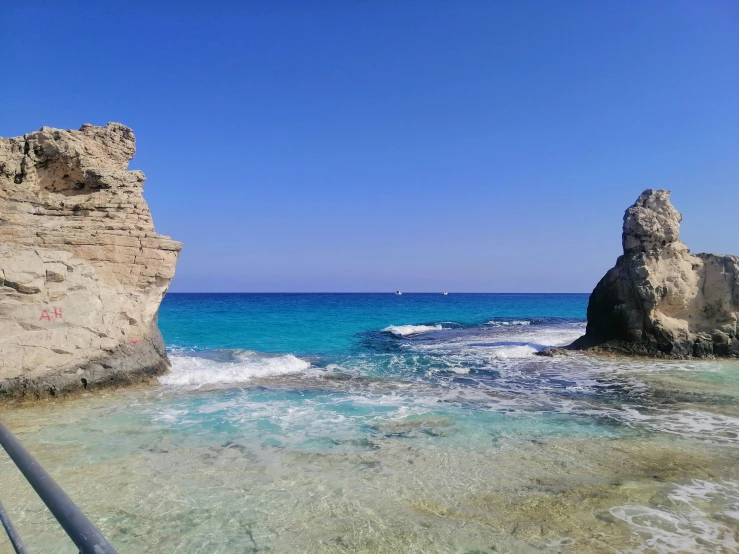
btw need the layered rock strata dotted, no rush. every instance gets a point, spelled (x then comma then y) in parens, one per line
(659, 299)
(82, 271)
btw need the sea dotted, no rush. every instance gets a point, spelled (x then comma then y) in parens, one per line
(385, 423)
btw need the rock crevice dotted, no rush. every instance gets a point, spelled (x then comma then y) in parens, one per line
(77, 249)
(659, 299)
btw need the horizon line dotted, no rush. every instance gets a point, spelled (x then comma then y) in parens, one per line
(360, 292)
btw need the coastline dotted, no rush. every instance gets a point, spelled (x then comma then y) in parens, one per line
(444, 445)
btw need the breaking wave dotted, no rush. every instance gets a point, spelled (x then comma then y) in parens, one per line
(243, 366)
(410, 330)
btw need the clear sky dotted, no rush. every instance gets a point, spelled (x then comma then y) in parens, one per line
(419, 145)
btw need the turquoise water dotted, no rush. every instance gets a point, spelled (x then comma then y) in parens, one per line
(308, 324)
(380, 423)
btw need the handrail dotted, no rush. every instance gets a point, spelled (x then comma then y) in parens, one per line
(82, 532)
(15, 538)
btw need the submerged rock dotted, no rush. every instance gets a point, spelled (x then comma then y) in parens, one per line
(552, 352)
(82, 271)
(659, 299)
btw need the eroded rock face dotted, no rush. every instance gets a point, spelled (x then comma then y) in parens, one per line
(659, 299)
(82, 271)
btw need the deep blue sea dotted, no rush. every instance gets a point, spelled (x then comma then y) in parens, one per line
(383, 423)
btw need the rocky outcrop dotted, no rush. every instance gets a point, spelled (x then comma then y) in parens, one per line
(82, 271)
(659, 299)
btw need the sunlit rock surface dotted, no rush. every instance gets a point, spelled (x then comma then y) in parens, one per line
(660, 299)
(82, 271)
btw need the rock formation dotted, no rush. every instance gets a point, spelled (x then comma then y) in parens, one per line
(82, 271)
(659, 299)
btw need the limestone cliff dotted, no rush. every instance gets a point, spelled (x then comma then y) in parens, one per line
(82, 271)
(660, 299)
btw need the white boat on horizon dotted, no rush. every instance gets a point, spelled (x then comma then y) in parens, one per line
(398, 292)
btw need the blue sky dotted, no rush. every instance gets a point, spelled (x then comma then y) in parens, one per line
(411, 144)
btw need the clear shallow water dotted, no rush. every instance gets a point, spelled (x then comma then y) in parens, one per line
(383, 423)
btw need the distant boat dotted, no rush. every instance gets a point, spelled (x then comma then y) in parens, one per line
(398, 292)
(445, 293)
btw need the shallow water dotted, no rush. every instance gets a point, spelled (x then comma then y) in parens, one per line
(376, 423)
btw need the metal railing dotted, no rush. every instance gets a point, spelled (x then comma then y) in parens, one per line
(82, 532)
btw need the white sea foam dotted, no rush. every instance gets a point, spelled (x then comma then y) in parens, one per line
(459, 369)
(690, 524)
(508, 352)
(688, 423)
(515, 322)
(501, 342)
(410, 330)
(199, 371)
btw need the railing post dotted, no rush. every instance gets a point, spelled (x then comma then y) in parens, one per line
(13, 535)
(82, 532)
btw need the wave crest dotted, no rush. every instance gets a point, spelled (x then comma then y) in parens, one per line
(196, 371)
(410, 330)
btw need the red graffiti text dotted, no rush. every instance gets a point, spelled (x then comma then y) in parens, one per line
(49, 314)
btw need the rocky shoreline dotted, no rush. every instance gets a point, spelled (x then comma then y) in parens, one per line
(659, 300)
(82, 270)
